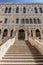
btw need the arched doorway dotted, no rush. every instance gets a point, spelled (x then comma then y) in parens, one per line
(5, 33)
(11, 33)
(38, 33)
(21, 34)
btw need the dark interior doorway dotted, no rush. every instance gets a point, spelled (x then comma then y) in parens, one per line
(38, 34)
(21, 34)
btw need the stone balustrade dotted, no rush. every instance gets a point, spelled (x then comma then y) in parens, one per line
(5, 46)
(37, 44)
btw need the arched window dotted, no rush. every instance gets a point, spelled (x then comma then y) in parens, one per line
(17, 21)
(9, 10)
(6, 9)
(27, 21)
(36, 11)
(17, 10)
(38, 20)
(35, 21)
(41, 11)
(31, 21)
(22, 21)
(24, 10)
(5, 20)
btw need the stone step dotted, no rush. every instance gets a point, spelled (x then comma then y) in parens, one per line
(21, 60)
(21, 54)
(21, 63)
(18, 51)
(23, 57)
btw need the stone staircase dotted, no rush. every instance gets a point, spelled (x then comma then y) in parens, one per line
(22, 53)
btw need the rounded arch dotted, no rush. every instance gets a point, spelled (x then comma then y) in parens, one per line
(21, 30)
(21, 34)
(24, 10)
(5, 33)
(38, 34)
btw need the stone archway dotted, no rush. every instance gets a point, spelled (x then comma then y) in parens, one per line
(21, 34)
(38, 34)
(5, 33)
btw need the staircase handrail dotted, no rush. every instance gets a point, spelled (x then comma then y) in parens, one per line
(37, 44)
(5, 46)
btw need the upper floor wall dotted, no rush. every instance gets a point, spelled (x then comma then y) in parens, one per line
(8, 8)
(29, 13)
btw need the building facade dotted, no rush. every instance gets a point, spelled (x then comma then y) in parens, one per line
(21, 20)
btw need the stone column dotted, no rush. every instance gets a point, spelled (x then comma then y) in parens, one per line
(16, 35)
(41, 34)
(14, 32)
(29, 33)
(9, 34)
(26, 35)
(1, 34)
(34, 33)
(19, 21)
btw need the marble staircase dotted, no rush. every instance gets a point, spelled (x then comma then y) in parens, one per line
(22, 53)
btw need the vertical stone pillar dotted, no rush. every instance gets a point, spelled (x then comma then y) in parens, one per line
(34, 33)
(9, 34)
(26, 35)
(19, 21)
(1, 34)
(29, 33)
(16, 35)
(13, 33)
(41, 34)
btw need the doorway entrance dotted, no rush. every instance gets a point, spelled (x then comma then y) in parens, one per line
(21, 34)
(38, 33)
(5, 33)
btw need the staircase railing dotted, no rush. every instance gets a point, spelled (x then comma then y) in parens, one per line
(5, 46)
(37, 44)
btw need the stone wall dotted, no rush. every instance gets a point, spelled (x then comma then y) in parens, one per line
(11, 22)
